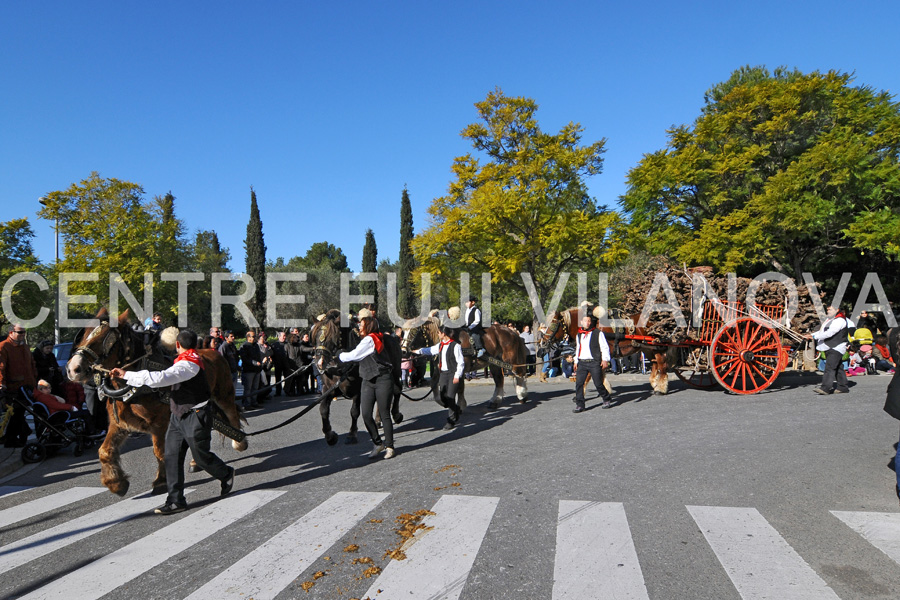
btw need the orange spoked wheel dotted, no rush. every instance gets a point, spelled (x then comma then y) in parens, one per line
(746, 356)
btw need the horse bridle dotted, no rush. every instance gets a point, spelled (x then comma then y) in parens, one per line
(91, 357)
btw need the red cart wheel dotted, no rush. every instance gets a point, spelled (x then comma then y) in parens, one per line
(746, 356)
(693, 368)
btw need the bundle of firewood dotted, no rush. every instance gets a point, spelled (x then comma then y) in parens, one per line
(663, 325)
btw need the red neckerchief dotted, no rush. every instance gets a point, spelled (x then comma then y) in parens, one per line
(190, 356)
(441, 353)
(581, 331)
(379, 343)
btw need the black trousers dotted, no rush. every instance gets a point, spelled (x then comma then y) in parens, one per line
(447, 391)
(17, 429)
(380, 390)
(192, 430)
(594, 368)
(834, 372)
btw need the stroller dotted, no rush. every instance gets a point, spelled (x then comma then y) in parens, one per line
(53, 432)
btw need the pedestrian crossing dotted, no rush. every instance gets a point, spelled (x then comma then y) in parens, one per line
(436, 561)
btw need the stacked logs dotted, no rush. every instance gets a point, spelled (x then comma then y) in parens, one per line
(663, 325)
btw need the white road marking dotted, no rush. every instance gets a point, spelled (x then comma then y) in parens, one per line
(595, 555)
(439, 559)
(271, 567)
(26, 510)
(49, 540)
(760, 563)
(882, 530)
(118, 568)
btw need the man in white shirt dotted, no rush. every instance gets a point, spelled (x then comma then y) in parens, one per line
(591, 356)
(473, 324)
(450, 366)
(190, 425)
(832, 339)
(528, 338)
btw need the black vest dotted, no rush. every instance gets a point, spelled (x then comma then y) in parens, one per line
(594, 345)
(375, 364)
(193, 391)
(839, 338)
(451, 358)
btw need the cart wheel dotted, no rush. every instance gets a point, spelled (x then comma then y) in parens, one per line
(693, 368)
(746, 356)
(33, 452)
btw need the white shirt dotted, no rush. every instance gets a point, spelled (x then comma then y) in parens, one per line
(477, 321)
(829, 328)
(583, 350)
(528, 338)
(365, 347)
(442, 348)
(177, 373)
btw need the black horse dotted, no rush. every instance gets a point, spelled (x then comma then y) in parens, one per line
(331, 339)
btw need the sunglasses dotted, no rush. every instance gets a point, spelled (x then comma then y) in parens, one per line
(19, 331)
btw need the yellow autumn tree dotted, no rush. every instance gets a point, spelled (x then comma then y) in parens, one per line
(523, 208)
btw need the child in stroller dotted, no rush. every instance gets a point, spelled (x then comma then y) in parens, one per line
(56, 423)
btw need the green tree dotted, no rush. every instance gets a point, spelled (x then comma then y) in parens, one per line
(255, 249)
(406, 264)
(207, 257)
(370, 265)
(787, 171)
(107, 226)
(525, 209)
(321, 255)
(17, 256)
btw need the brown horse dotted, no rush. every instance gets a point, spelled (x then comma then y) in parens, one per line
(101, 348)
(500, 342)
(622, 343)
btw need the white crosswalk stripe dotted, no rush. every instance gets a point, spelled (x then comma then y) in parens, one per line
(269, 569)
(106, 574)
(882, 530)
(760, 563)
(26, 510)
(595, 556)
(438, 560)
(49, 540)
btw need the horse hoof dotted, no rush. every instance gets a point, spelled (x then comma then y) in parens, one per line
(120, 489)
(655, 393)
(239, 446)
(351, 439)
(493, 405)
(331, 438)
(193, 468)
(398, 418)
(159, 488)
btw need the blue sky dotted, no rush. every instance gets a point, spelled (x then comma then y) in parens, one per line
(329, 109)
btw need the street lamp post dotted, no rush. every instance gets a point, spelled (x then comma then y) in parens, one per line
(43, 201)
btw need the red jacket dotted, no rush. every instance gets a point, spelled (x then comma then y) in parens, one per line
(52, 402)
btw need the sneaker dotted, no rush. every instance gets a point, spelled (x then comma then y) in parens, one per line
(376, 451)
(389, 453)
(840, 391)
(820, 391)
(227, 483)
(170, 509)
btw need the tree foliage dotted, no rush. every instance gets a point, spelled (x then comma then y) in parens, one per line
(784, 171)
(107, 226)
(370, 265)
(406, 264)
(255, 258)
(17, 256)
(525, 208)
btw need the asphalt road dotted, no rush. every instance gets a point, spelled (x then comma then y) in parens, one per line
(665, 467)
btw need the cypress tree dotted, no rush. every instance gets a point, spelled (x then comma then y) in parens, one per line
(370, 265)
(255, 249)
(406, 263)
